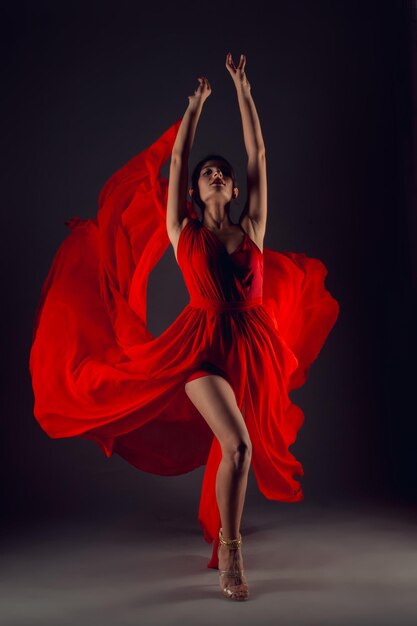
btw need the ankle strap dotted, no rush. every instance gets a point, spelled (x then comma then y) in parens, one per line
(230, 543)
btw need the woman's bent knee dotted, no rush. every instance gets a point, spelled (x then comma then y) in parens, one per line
(239, 453)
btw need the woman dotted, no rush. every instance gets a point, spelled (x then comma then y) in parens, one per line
(210, 393)
(213, 388)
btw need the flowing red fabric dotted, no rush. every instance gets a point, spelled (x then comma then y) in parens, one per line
(257, 319)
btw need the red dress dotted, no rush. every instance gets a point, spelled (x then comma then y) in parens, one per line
(258, 319)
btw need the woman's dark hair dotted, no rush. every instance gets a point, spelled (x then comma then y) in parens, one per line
(196, 175)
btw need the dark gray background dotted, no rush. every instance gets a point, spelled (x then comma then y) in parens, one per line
(89, 85)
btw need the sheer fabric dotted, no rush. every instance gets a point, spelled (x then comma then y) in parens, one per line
(257, 319)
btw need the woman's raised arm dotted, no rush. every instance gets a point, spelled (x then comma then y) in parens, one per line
(178, 173)
(256, 203)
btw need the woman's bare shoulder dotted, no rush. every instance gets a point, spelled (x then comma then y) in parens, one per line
(174, 232)
(255, 232)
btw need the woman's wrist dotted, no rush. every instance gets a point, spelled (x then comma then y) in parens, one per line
(243, 91)
(195, 107)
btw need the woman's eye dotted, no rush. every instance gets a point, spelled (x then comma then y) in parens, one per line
(225, 172)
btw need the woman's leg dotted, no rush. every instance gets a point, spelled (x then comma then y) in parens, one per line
(214, 398)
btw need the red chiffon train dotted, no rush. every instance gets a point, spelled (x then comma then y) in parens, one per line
(257, 319)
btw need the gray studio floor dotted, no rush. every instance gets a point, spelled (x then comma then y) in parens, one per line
(306, 564)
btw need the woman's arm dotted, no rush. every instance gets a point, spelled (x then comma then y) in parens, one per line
(178, 173)
(256, 204)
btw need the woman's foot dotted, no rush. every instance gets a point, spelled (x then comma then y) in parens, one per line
(233, 582)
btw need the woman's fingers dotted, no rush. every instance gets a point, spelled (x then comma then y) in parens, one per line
(203, 83)
(230, 62)
(202, 91)
(237, 73)
(242, 62)
(231, 65)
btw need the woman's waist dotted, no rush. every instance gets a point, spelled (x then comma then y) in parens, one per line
(200, 302)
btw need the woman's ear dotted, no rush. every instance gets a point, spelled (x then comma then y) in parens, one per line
(235, 192)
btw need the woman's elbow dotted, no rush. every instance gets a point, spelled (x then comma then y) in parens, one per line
(257, 155)
(178, 158)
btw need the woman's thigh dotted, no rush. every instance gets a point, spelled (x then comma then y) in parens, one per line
(214, 398)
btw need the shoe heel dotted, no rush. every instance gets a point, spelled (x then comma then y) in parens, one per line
(240, 590)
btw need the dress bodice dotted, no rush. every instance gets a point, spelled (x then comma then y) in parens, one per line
(214, 276)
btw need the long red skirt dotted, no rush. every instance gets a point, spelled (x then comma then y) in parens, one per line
(98, 372)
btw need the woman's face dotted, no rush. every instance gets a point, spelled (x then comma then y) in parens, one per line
(215, 181)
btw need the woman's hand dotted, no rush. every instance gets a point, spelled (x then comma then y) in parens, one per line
(238, 73)
(200, 94)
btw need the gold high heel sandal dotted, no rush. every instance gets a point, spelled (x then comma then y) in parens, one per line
(240, 590)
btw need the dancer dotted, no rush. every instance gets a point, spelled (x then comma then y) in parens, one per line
(213, 388)
(214, 188)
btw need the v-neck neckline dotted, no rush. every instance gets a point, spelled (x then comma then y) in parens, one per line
(221, 242)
